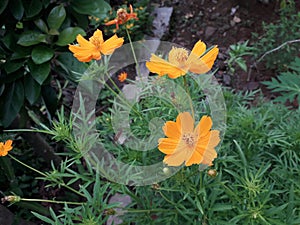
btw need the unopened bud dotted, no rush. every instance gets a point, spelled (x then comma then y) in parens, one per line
(166, 171)
(10, 198)
(212, 173)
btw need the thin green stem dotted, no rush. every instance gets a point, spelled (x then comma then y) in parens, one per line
(72, 189)
(29, 167)
(51, 201)
(45, 175)
(189, 96)
(147, 210)
(124, 101)
(165, 198)
(133, 53)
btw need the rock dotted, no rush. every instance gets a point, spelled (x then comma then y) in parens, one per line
(161, 21)
(124, 200)
(214, 16)
(226, 79)
(209, 31)
(252, 85)
(7, 218)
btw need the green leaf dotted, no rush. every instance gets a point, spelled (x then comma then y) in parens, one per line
(32, 7)
(32, 89)
(41, 25)
(97, 8)
(9, 40)
(8, 78)
(68, 35)
(13, 66)
(73, 68)
(222, 207)
(43, 218)
(242, 64)
(41, 54)
(3, 4)
(50, 98)
(56, 17)
(31, 38)
(17, 9)
(11, 103)
(21, 52)
(39, 72)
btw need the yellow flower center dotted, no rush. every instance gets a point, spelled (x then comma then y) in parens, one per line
(96, 42)
(189, 139)
(178, 57)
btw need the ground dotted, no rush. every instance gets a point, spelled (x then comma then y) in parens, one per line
(222, 22)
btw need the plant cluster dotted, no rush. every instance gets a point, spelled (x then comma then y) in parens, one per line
(164, 148)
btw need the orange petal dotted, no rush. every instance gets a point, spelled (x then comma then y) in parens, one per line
(85, 54)
(162, 67)
(186, 122)
(205, 63)
(199, 67)
(210, 57)
(209, 156)
(195, 158)
(214, 138)
(8, 145)
(98, 36)
(204, 126)
(83, 42)
(206, 147)
(172, 130)
(177, 158)
(111, 44)
(168, 145)
(111, 22)
(198, 49)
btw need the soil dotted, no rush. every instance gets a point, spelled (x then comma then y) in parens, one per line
(222, 23)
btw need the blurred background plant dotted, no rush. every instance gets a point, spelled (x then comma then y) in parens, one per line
(34, 55)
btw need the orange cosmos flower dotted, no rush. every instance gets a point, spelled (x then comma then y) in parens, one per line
(180, 62)
(5, 147)
(122, 17)
(92, 48)
(184, 143)
(122, 77)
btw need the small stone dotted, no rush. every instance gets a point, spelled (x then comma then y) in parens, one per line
(124, 200)
(215, 16)
(226, 79)
(209, 31)
(236, 19)
(252, 85)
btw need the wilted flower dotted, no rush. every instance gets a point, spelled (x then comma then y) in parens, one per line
(122, 17)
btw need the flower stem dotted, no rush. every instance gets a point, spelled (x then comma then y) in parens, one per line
(147, 210)
(51, 201)
(134, 56)
(123, 100)
(29, 167)
(189, 96)
(165, 198)
(45, 175)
